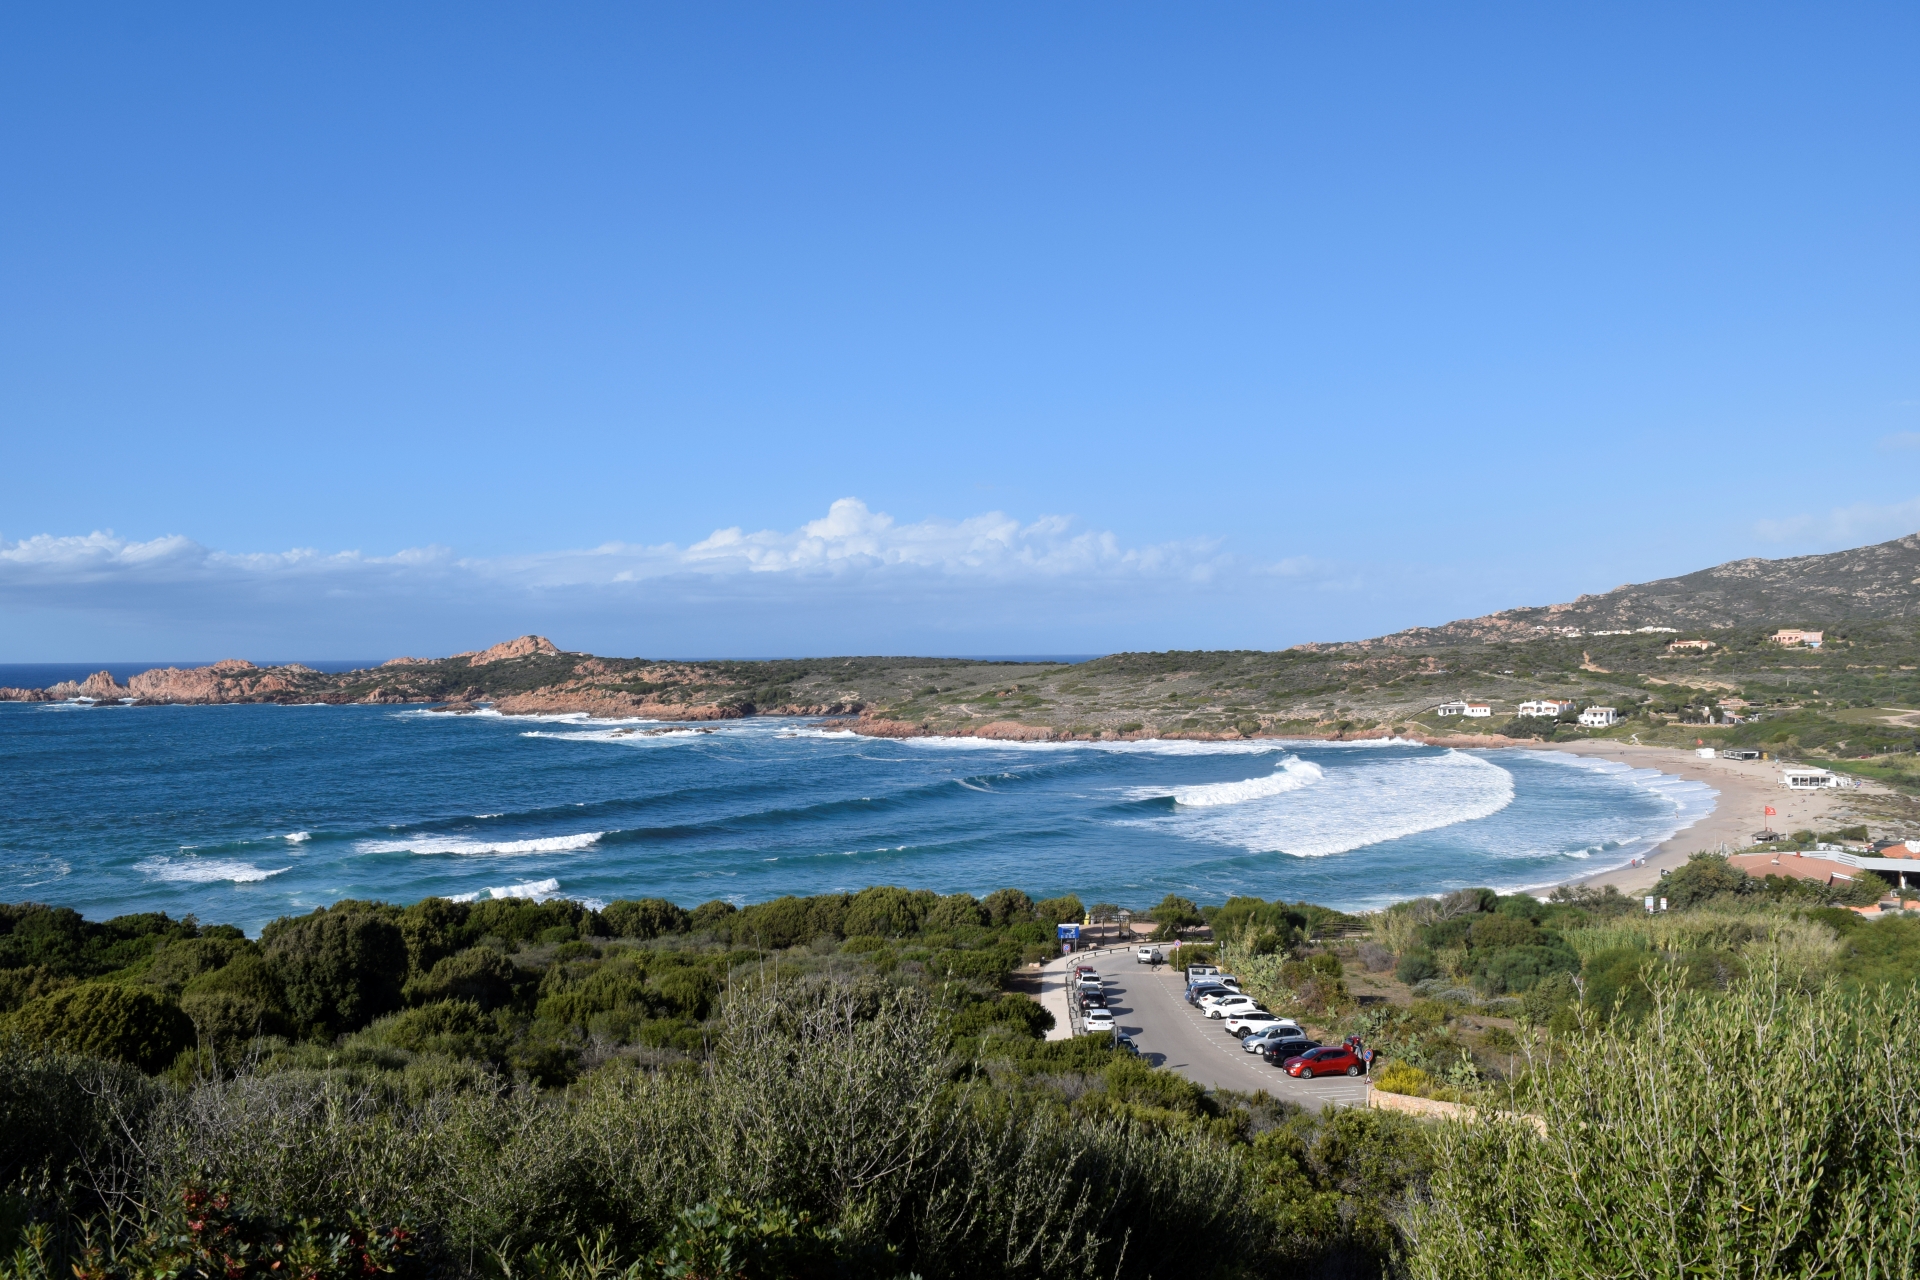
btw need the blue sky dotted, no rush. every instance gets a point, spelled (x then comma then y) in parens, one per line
(727, 329)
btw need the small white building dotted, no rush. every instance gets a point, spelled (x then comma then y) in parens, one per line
(1544, 707)
(1450, 709)
(1477, 711)
(1599, 717)
(1798, 778)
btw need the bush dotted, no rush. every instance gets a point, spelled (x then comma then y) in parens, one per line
(103, 1020)
(479, 975)
(1007, 906)
(1704, 877)
(1416, 966)
(1065, 910)
(341, 967)
(1769, 1128)
(1403, 1077)
(645, 918)
(710, 915)
(956, 912)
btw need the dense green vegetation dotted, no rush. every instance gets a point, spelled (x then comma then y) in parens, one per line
(843, 1085)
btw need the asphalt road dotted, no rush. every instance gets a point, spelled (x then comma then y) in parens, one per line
(1149, 1003)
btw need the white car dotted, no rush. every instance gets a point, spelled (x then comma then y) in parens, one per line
(1148, 955)
(1278, 1029)
(1100, 1020)
(1089, 982)
(1252, 1020)
(1222, 1006)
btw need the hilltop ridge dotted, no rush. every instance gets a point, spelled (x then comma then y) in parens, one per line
(1881, 581)
(1614, 648)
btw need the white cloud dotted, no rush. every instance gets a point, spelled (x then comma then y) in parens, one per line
(850, 547)
(1850, 526)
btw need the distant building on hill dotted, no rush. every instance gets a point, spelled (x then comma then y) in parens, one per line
(1811, 639)
(1690, 644)
(1477, 711)
(1451, 709)
(1544, 707)
(1599, 717)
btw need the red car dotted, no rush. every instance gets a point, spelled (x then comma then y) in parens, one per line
(1328, 1060)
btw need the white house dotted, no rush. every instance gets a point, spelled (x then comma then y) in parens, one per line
(1803, 779)
(1450, 709)
(1544, 707)
(1477, 711)
(1599, 717)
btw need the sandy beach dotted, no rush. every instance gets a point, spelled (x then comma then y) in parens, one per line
(1746, 787)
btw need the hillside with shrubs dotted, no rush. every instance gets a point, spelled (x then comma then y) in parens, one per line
(855, 1085)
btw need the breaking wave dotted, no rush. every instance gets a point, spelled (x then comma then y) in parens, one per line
(204, 870)
(529, 890)
(1290, 774)
(464, 847)
(297, 837)
(1367, 802)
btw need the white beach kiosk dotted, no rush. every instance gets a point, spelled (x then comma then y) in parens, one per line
(1800, 778)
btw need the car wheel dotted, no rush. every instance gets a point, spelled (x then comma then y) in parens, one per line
(1306, 1073)
(1353, 1071)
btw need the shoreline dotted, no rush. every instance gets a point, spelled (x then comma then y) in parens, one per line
(1745, 788)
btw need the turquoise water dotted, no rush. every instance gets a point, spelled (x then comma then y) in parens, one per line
(244, 813)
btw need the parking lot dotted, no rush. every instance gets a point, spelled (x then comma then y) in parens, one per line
(1149, 1004)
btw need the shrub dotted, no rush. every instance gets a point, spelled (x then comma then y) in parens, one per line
(479, 975)
(1416, 966)
(341, 967)
(709, 915)
(104, 1020)
(645, 918)
(1705, 876)
(956, 912)
(1064, 910)
(1403, 1077)
(1765, 1130)
(887, 912)
(1007, 906)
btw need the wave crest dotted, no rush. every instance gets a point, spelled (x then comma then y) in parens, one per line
(462, 846)
(204, 870)
(1290, 774)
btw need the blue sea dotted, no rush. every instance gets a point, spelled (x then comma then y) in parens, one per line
(243, 813)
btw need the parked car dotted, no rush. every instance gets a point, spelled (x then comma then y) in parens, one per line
(1092, 1000)
(1280, 1051)
(1252, 1020)
(1100, 1020)
(1227, 980)
(1283, 1029)
(1124, 1042)
(1087, 980)
(1221, 1006)
(1147, 955)
(1195, 972)
(1327, 1060)
(1204, 990)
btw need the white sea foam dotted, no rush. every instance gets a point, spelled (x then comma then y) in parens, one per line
(625, 737)
(204, 870)
(1691, 799)
(465, 847)
(1290, 774)
(298, 837)
(531, 890)
(1362, 802)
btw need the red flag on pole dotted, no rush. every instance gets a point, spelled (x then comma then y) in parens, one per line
(1770, 812)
